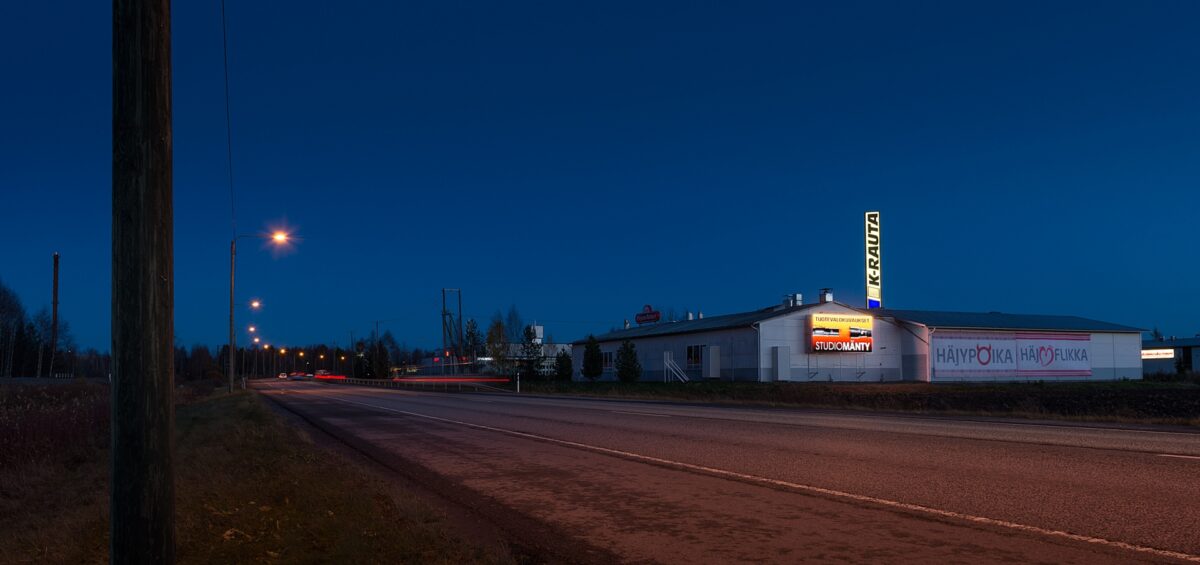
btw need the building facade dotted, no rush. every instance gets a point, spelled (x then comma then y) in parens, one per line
(830, 341)
(1171, 355)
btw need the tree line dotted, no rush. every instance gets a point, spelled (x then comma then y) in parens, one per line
(25, 348)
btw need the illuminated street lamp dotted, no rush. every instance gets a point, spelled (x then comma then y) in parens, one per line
(252, 329)
(278, 238)
(256, 340)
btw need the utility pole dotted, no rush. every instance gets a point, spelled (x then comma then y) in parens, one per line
(232, 338)
(142, 515)
(54, 317)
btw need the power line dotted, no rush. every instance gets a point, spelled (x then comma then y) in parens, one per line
(228, 128)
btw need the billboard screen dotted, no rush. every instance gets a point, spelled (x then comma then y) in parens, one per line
(832, 333)
(1021, 355)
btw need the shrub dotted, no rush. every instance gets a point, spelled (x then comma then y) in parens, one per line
(629, 369)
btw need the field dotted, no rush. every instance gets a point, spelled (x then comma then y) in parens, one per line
(248, 489)
(1175, 403)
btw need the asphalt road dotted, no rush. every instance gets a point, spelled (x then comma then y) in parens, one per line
(657, 482)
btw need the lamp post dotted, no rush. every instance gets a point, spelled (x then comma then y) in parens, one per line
(278, 238)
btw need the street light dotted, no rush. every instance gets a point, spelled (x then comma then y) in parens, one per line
(279, 238)
(256, 340)
(252, 328)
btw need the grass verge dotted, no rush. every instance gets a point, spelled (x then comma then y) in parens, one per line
(1121, 401)
(248, 489)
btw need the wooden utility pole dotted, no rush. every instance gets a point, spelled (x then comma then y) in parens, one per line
(143, 416)
(54, 318)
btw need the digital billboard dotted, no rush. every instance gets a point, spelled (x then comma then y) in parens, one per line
(832, 333)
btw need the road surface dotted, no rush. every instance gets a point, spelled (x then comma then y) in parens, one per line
(668, 483)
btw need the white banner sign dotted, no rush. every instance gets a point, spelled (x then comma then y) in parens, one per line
(1019, 355)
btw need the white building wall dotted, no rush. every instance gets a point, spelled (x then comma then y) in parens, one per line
(738, 354)
(883, 363)
(1113, 356)
(1116, 356)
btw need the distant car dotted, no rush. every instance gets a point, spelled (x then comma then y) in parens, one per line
(297, 377)
(282, 375)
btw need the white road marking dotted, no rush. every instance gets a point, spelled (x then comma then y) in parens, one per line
(805, 488)
(640, 413)
(1197, 457)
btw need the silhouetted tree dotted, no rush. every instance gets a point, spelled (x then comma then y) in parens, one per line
(514, 326)
(629, 369)
(531, 353)
(562, 366)
(593, 362)
(497, 346)
(473, 345)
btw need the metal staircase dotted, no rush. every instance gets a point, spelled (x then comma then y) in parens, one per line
(671, 369)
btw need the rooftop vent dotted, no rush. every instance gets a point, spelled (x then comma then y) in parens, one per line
(790, 300)
(826, 295)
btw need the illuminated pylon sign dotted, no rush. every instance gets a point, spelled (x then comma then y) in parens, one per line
(874, 269)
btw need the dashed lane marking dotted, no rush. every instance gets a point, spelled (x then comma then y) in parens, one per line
(640, 413)
(1196, 457)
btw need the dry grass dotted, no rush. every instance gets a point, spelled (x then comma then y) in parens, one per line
(248, 490)
(1122, 401)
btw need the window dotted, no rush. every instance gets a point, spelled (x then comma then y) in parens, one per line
(607, 359)
(695, 356)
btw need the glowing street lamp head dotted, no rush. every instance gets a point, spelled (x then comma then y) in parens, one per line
(282, 351)
(256, 340)
(279, 237)
(266, 346)
(322, 356)
(302, 354)
(256, 304)
(252, 328)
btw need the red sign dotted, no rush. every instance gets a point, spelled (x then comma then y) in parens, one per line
(648, 315)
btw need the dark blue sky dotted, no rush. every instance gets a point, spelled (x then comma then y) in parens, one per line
(580, 161)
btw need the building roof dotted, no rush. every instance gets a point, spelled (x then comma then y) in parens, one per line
(1171, 342)
(1002, 321)
(708, 323)
(951, 320)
